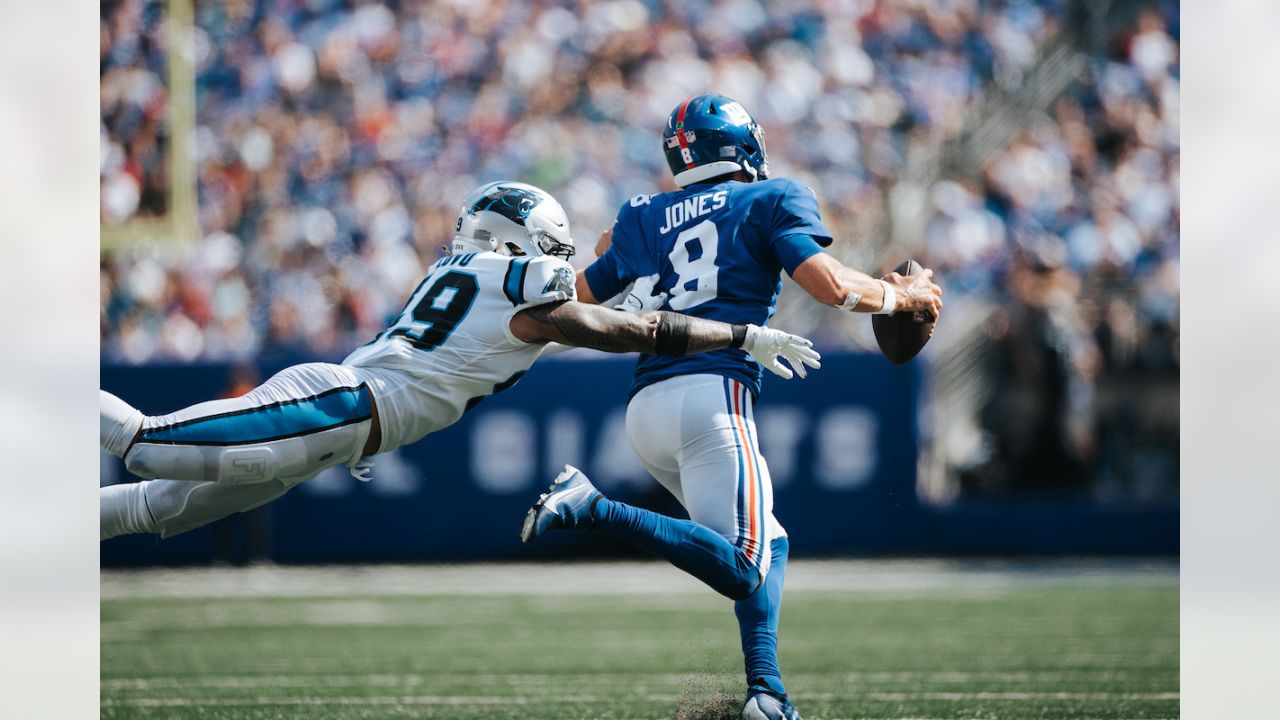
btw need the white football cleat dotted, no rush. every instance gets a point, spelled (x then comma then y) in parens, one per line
(765, 706)
(568, 503)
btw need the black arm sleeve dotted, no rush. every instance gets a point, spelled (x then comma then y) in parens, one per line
(673, 335)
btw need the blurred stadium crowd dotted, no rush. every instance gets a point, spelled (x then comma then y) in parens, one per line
(336, 137)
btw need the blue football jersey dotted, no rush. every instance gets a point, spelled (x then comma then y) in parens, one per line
(719, 249)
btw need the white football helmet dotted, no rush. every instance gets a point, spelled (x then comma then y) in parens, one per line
(512, 218)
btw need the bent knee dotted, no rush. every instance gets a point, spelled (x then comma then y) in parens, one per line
(744, 584)
(182, 506)
(244, 465)
(136, 463)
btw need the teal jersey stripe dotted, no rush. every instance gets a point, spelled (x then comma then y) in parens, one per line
(334, 408)
(513, 283)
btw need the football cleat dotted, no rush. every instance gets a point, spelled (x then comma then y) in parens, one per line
(568, 503)
(767, 706)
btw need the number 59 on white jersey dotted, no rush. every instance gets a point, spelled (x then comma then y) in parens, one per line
(452, 344)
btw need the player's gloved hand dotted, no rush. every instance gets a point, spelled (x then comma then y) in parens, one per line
(642, 296)
(766, 345)
(362, 470)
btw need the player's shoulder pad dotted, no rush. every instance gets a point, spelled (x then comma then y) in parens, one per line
(782, 186)
(539, 280)
(629, 222)
(631, 210)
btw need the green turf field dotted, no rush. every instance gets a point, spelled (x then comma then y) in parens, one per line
(859, 640)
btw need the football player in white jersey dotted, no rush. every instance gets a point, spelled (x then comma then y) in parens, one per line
(476, 323)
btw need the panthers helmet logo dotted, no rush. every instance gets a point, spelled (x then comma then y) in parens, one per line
(514, 204)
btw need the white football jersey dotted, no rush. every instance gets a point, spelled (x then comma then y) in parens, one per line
(452, 344)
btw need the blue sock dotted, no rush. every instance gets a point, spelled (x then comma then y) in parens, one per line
(758, 623)
(694, 548)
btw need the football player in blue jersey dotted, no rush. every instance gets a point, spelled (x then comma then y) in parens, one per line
(716, 249)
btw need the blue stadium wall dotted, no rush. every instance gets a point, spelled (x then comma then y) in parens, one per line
(841, 447)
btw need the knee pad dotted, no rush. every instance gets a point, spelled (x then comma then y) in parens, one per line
(235, 465)
(179, 505)
(290, 459)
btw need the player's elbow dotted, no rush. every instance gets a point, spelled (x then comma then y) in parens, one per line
(598, 328)
(647, 324)
(826, 289)
(818, 277)
(829, 294)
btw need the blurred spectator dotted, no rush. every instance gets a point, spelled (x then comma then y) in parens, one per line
(1084, 201)
(1042, 414)
(335, 138)
(134, 136)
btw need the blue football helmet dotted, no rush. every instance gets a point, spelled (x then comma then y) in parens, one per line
(711, 135)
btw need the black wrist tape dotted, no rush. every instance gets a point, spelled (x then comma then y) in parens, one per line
(739, 336)
(673, 334)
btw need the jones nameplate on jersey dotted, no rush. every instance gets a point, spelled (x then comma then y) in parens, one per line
(682, 212)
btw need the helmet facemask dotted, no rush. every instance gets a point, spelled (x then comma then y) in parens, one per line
(757, 161)
(554, 247)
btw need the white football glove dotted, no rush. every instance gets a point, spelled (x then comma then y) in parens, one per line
(766, 345)
(642, 297)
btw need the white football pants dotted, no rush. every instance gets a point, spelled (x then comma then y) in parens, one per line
(697, 435)
(302, 420)
(221, 457)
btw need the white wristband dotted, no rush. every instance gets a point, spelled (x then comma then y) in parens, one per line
(890, 300)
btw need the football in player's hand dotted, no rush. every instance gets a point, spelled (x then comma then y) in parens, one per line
(903, 335)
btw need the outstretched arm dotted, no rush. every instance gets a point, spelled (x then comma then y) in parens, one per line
(592, 326)
(659, 333)
(832, 283)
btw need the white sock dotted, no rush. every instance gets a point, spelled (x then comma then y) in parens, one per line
(120, 421)
(123, 511)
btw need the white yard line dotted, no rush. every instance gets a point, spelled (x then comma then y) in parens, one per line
(539, 679)
(524, 700)
(967, 696)
(334, 700)
(970, 578)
